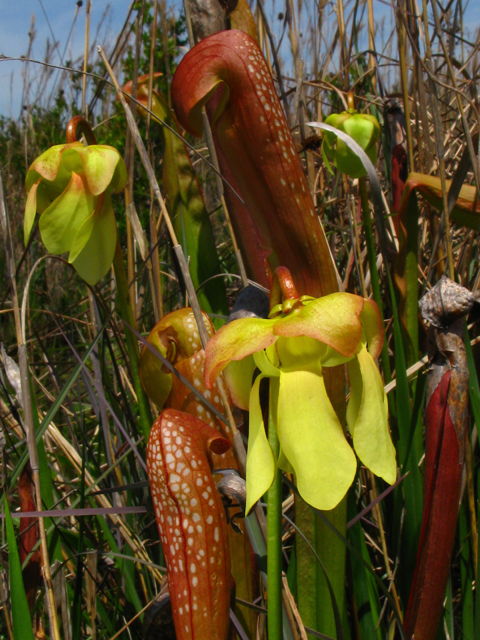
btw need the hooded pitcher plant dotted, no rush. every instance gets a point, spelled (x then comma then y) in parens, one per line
(191, 522)
(446, 418)
(176, 338)
(301, 338)
(70, 186)
(228, 73)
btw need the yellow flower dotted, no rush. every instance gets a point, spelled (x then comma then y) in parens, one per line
(291, 348)
(70, 186)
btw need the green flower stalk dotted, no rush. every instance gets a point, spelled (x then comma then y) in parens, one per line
(363, 128)
(301, 337)
(70, 186)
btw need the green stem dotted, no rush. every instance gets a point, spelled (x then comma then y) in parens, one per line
(274, 529)
(372, 261)
(306, 564)
(333, 556)
(126, 313)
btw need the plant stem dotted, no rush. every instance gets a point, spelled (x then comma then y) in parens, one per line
(79, 125)
(274, 530)
(372, 261)
(28, 416)
(126, 313)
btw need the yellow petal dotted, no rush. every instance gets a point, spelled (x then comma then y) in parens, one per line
(30, 211)
(155, 380)
(94, 245)
(284, 463)
(238, 376)
(313, 441)
(333, 358)
(367, 417)
(265, 365)
(373, 326)
(260, 461)
(300, 353)
(60, 222)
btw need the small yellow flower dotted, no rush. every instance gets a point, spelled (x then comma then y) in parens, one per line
(70, 186)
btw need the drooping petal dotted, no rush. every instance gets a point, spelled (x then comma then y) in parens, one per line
(30, 211)
(47, 192)
(235, 341)
(284, 463)
(156, 379)
(312, 439)
(238, 376)
(347, 162)
(119, 179)
(282, 460)
(267, 365)
(94, 245)
(333, 319)
(330, 139)
(60, 223)
(260, 461)
(364, 129)
(176, 337)
(373, 327)
(367, 417)
(30, 179)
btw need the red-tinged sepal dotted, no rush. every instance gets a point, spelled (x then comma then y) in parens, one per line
(191, 522)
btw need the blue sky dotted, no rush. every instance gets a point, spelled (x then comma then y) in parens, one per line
(15, 21)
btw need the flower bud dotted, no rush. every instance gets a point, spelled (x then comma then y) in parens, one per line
(363, 128)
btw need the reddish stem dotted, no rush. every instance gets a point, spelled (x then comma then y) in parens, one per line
(351, 101)
(283, 287)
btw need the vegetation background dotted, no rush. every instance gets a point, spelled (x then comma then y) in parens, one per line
(418, 72)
